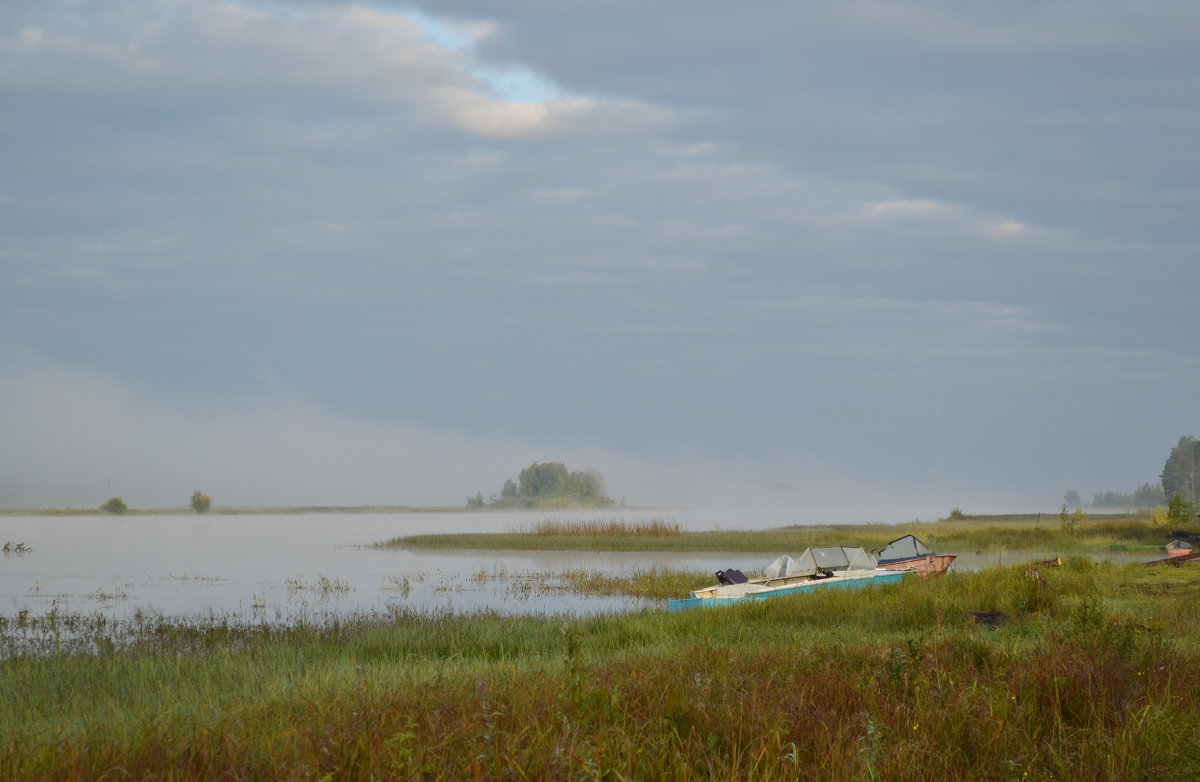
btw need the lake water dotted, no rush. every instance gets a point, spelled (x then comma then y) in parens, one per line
(285, 567)
(288, 566)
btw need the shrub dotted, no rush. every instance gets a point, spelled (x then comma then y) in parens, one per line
(1072, 521)
(1180, 509)
(114, 505)
(201, 502)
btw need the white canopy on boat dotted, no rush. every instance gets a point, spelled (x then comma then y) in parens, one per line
(907, 547)
(826, 558)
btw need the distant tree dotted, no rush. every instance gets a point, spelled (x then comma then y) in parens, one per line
(543, 480)
(476, 501)
(201, 502)
(1148, 496)
(1179, 471)
(1111, 499)
(114, 505)
(551, 485)
(1072, 499)
(1145, 496)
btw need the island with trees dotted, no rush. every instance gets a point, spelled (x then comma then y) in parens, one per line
(548, 485)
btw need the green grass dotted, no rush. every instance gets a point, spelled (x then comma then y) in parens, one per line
(1031, 532)
(1091, 676)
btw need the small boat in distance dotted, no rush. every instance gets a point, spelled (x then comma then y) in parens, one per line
(909, 553)
(1178, 548)
(827, 567)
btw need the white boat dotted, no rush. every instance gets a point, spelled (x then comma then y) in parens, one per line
(827, 567)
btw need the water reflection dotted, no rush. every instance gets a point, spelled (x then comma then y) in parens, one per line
(285, 567)
(281, 567)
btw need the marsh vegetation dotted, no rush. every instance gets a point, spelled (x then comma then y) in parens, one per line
(1090, 674)
(957, 533)
(1079, 671)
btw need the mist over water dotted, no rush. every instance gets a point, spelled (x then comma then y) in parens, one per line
(315, 566)
(75, 437)
(280, 567)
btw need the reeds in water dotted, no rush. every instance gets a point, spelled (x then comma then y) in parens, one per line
(1091, 677)
(606, 527)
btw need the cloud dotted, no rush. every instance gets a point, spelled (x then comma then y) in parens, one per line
(686, 230)
(131, 50)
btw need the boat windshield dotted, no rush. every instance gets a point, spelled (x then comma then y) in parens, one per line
(907, 547)
(825, 558)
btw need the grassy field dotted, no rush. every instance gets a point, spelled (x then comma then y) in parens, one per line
(1086, 671)
(1127, 532)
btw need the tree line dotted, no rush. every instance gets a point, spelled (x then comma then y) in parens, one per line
(1175, 491)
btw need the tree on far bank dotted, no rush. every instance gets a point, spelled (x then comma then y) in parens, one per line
(200, 501)
(550, 484)
(1145, 496)
(114, 505)
(1179, 472)
(1072, 499)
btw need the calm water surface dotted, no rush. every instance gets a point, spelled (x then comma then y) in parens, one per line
(283, 567)
(290, 566)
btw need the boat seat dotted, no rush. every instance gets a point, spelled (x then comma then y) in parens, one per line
(731, 576)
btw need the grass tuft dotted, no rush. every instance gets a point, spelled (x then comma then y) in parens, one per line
(1090, 676)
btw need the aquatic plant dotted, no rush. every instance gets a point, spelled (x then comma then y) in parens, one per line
(606, 527)
(1089, 677)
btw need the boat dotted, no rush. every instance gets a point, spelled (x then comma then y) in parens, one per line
(1178, 548)
(826, 567)
(909, 553)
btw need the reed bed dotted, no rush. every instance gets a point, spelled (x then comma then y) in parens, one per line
(1030, 532)
(606, 527)
(1090, 676)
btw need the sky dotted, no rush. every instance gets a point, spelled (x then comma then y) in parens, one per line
(858, 260)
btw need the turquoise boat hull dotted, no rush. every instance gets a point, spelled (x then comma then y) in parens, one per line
(792, 589)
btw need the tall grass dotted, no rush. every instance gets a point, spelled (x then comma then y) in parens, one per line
(1031, 532)
(605, 527)
(1091, 676)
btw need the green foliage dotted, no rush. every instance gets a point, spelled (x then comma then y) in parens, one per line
(1072, 522)
(1179, 472)
(1072, 499)
(1180, 509)
(550, 485)
(476, 501)
(1089, 676)
(200, 501)
(114, 505)
(957, 514)
(1031, 532)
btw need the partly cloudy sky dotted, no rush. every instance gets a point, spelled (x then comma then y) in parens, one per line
(868, 259)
